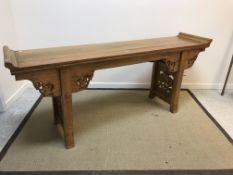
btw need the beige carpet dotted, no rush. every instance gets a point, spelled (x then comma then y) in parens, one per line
(121, 130)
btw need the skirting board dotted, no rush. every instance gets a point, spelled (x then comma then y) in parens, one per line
(129, 85)
(123, 85)
(2, 104)
(17, 94)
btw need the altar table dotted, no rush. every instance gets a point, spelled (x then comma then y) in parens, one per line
(58, 72)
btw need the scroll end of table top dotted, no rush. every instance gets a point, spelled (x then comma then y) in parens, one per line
(9, 58)
(203, 40)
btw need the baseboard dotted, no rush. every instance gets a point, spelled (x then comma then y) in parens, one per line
(206, 86)
(124, 85)
(17, 94)
(147, 85)
(118, 85)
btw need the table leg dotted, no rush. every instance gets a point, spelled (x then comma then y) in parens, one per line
(57, 111)
(66, 105)
(155, 69)
(177, 84)
(67, 120)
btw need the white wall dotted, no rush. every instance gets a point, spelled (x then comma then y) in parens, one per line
(43, 23)
(9, 89)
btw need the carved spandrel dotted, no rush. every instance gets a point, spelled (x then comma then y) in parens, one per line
(46, 81)
(172, 61)
(46, 89)
(191, 58)
(80, 82)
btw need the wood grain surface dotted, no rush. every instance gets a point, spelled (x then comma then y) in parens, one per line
(59, 72)
(99, 52)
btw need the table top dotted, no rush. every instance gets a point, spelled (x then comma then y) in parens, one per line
(96, 52)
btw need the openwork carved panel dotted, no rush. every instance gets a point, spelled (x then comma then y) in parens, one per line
(80, 82)
(46, 81)
(164, 82)
(45, 88)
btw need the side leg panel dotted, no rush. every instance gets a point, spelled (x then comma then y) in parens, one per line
(166, 80)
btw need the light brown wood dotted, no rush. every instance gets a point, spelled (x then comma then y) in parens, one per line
(46, 81)
(66, 101)
(57, 112)
(59, 72)
(61, 56)
(177, 83)
(154, 80)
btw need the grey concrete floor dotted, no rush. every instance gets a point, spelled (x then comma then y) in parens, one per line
(15, 113)
(220, 107)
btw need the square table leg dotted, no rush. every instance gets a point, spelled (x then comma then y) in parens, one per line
(155, 70)
(66, 106)
(177, 84)
(57, 110)
(66, 102)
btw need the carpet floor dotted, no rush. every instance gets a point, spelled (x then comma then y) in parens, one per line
(121, 130)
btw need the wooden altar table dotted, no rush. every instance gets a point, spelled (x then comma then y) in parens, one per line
(59, 72)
